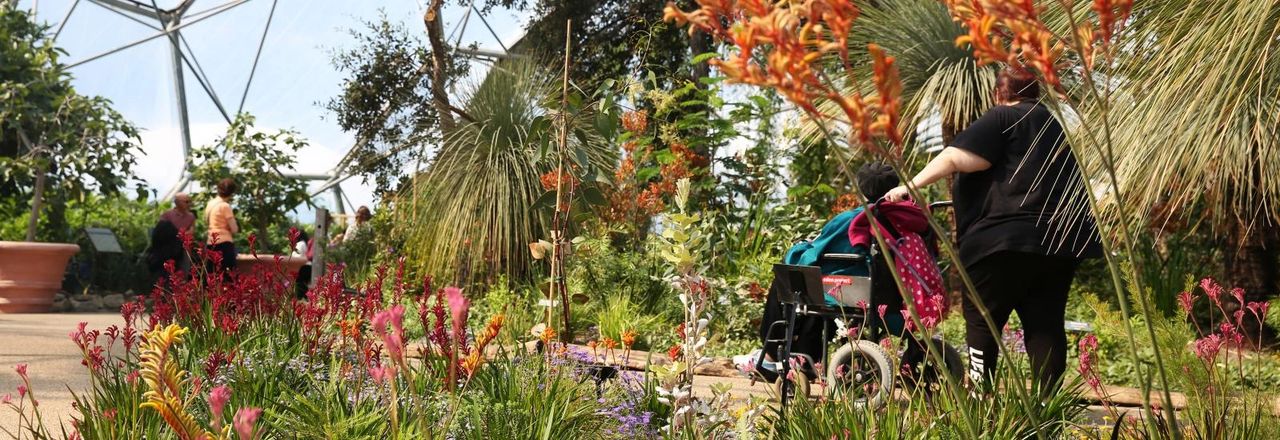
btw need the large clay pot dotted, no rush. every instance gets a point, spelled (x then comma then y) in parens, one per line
(247, 264)
(31, 274)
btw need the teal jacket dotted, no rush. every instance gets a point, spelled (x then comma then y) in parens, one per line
(834, 239)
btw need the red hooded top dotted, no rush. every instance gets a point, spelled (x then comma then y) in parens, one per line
(905, 216)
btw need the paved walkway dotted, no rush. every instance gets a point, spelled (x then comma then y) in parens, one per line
(53, 362)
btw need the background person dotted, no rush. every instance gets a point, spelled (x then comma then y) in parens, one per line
(1021, 224)
(363, 215)
(182, 219)
(222, 223)
(165, 246)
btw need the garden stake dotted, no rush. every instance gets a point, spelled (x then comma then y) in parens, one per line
(561, 210)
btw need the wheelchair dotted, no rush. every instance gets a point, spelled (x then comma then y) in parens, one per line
(860, 371)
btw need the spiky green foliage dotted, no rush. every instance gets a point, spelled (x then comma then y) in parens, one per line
(475, 208)
(1194, 118)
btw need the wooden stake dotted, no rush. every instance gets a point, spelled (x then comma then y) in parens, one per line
(558, 230)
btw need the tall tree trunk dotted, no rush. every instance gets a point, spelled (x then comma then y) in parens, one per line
(1251, 264)
(1251, 260)
(439, 65)
(36, 201)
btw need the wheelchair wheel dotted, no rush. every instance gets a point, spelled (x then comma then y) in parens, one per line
(861, 373)
(931, 374)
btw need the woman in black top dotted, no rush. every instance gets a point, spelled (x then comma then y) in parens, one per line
(1022, 225)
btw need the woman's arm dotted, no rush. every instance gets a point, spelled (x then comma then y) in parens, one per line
(231, 219)
(950, 161)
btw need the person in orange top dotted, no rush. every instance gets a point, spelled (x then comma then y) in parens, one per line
(222, 223)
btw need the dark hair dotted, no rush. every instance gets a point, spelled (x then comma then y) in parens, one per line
(875, 179)
(227, 187)
(302, 236)
(363, 213)
(1013, 84)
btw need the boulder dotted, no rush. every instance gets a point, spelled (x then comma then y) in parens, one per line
(86, 303)
(60, 303)
(112, 302)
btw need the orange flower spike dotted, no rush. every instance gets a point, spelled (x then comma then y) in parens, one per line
(628, 338)
(889, 88)
(548, 334)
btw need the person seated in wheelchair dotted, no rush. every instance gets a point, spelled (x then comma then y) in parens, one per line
(849, 233)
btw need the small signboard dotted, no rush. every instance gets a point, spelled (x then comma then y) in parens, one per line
(104, 241)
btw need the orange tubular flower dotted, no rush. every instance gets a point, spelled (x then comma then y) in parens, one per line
(628, 338)
(783, 45)
(1011, 31)
(548, 335)
(476, 357)
(635, 121)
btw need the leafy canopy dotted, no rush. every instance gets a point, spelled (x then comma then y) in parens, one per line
(257, 161)
(80, 142)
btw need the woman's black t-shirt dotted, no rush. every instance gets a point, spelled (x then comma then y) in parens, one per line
(1031, 199)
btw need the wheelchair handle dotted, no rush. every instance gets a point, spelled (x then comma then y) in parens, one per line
(856, 258)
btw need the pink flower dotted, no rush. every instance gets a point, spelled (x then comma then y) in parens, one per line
(109, 414)
(6, 399)
(1088, 348)
(1211, 289)
(244, 420)
(1259, 310)
(382, 374)
(458, 308)
(1207, 348)
(1089, 342)
(861, 304)
(218, 398)
(1238, 293)
(379, 323)
(22, 391)
(881, 309)
(22, 370)
(393, 340)
(929, 322)
(1230, 332)
(1185, 300)
(132, 377)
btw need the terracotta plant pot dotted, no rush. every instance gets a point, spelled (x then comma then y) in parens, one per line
(31, 274)
(247, 264)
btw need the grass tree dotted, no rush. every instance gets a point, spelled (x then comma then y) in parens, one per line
(476, 207)
(1194, 122)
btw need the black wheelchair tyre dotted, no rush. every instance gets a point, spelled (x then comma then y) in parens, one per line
(931, 374)
(861, 373)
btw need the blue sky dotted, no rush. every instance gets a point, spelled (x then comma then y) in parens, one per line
(294, 76)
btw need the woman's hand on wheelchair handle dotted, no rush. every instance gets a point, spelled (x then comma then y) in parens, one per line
(898, 194)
